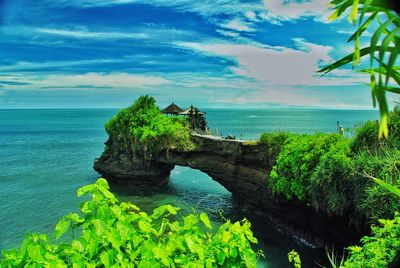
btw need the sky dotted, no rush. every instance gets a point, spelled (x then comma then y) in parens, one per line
(210, 53)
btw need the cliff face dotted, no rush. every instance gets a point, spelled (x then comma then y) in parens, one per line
(119, 162)
(242, 168)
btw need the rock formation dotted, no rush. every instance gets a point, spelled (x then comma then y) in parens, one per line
(242, 167)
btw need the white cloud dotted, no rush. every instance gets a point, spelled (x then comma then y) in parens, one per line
(348, 32)
(291, 10)
(251, 15)
(23, 65)
(228, 33)
(272, 95)
(84, 34)
(88, 80)
(279, 66)
(238, 25)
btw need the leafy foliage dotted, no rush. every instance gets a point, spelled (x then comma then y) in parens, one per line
(329, 172)
(382, 51)
(273, 143)
(294, 257)
(109, 233)
(379, 249)
(147, 130)
(366, 136)
(329, 183)
(370, 199)
(296, 162)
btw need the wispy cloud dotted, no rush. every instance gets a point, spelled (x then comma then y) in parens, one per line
(348, 32)
(88, 81)
(238, 25)
(218, 51)
(13, 83)
(83, 34)
(37, 66)
(278, 66)
(282, 10)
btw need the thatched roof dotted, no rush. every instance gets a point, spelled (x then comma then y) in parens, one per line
(172, 109)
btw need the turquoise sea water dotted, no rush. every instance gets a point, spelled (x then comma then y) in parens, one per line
(45, 155)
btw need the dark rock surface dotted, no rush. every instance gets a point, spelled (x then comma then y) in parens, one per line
(242, 168)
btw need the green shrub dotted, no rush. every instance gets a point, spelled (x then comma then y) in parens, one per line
(394, 127)
(373, 201)
(147, 131)
(296, 163)
(330, 172)
(366, 136)
(110, 233)
(330, 182)
(273, 143)
(379, 249)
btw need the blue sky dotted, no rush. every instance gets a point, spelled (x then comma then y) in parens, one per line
(211, 53)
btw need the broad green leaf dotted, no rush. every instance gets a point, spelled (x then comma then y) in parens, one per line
(61, 227)
(221, 257)
(106, 192)
(205, 220)
(77, 245)
(161, 254)
(93, 244)
(106, 258)
(145, 226)
(34, 253)
(75, 218)
(190, 243)
(99, 226)
(160, 211)
(102, 183)
(85, 189)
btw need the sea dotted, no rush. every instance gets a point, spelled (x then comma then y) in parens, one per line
(47, 154)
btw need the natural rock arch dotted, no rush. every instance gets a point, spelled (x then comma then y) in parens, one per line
(242, 167)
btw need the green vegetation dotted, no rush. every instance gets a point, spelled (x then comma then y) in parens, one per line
(379, 249)
(273, 142)
(109, 233)
(296, 162)
(147, 131)
(294, 258)
(338, 176)
(381, 17)
(328, 171)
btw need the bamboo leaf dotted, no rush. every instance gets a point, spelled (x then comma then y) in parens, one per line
(390, 66)
(354, 12)
(393, 89)
(363, 27)
(388, 186)
(375, 39)
(347, 59)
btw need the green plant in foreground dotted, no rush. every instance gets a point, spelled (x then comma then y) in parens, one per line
(382, 51)
(294, 257)
(377, 250)
(109, 233)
